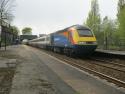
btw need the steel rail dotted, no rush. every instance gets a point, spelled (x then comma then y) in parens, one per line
(96, 63)
(107, 61)
(108, 78)
(99, 60)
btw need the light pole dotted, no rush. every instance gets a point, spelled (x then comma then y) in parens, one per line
(1, 26)
(105, 40)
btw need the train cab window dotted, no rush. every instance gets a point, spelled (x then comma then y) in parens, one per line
(85, 33)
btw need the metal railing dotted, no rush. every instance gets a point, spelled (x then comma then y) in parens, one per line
(6, 35)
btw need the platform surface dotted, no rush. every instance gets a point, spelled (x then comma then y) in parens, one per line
(111, 51)
(40, 73)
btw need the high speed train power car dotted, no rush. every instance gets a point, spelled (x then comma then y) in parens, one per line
(76, 39)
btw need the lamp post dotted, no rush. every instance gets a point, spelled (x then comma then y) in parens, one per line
(105, 40)
(0, 35)
(1, 26)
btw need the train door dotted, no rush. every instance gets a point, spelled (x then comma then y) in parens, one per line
(70, 38)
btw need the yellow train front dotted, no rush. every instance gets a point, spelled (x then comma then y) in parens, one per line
(76, 39)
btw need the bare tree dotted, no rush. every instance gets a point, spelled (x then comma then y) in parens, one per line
(6, 9)
(6, 15)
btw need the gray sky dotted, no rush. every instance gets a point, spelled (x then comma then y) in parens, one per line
(46, 16)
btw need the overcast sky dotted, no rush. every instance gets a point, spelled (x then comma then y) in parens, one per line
(46, 16)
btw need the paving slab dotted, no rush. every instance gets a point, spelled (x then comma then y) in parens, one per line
(4, 62)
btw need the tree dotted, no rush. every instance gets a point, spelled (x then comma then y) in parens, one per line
(94, 20)
(121, 17)
(15, 30)
(108, 28)
(121, 4)
(108, 25)
(6, 8)
(27, 31)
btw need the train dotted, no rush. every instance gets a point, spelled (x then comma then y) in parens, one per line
(73, 40)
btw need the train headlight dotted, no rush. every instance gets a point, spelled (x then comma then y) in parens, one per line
(94, 42)
(81, 43)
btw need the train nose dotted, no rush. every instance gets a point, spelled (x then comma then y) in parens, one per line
(87, 43)
(86, 49)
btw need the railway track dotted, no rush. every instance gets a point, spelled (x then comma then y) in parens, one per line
(89, 64)
(77, 62)
(100, 62)
(108, 64)
(111, 79)
(109, 61)
(104, 76)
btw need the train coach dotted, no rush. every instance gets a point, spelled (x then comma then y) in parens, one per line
(76, 39)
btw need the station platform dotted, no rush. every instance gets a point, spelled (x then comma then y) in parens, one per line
(40, 73)
(114, 52)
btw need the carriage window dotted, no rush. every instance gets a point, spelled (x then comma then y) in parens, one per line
(48, 38)
(85, 33)
(42, 39)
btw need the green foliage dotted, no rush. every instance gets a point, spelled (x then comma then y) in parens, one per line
(121, 4)
(108, 26)
(121, 20)
(94, 20)
(15, 30)
(27, 31)
(110, 33)
(109, 29)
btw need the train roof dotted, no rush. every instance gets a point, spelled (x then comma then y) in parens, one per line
(38, 38)
(73, 26)
(29, 37)
(79, 27)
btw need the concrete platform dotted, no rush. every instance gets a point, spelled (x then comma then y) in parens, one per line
(34, 77)
(5, 63)
(111, 52)
(40, 73)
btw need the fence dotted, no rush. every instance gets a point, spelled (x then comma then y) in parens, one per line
(112, 43)
(7, 36)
